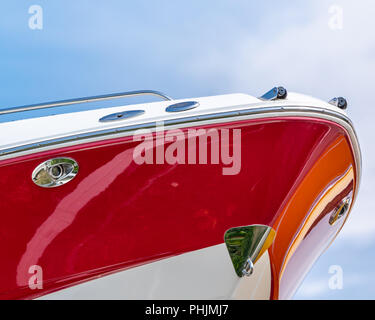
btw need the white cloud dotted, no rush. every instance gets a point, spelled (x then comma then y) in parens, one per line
(313, 289)
(313, 59)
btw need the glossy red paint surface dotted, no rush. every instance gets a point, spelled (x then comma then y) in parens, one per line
(117, 214)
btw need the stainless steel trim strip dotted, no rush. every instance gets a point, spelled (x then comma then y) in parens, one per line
(182, 122)
(61, 103)
(148, 125)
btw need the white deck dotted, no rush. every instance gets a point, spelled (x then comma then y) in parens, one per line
(27, 131)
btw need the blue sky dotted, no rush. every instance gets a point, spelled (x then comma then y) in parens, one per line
(201, 48)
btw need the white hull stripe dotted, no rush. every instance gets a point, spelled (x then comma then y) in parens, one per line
(203, 274)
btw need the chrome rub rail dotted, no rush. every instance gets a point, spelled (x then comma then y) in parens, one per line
(184, 120)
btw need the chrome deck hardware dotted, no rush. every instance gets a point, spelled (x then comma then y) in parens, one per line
(55, 172)
(122, 115)
(339, 102)
(182, 106)
(340, 211)
(248, 268)
(246, 245)
(275, 93)
(61, 103)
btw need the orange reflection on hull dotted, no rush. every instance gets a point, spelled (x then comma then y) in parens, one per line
(303, 228)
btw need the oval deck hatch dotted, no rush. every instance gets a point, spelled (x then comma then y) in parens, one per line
(182, 106)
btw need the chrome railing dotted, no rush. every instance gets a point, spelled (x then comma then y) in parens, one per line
(60, 103)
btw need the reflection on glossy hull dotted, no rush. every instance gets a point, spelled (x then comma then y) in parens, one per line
(147, 225)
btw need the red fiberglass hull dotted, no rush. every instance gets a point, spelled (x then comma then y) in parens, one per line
(117, 214)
